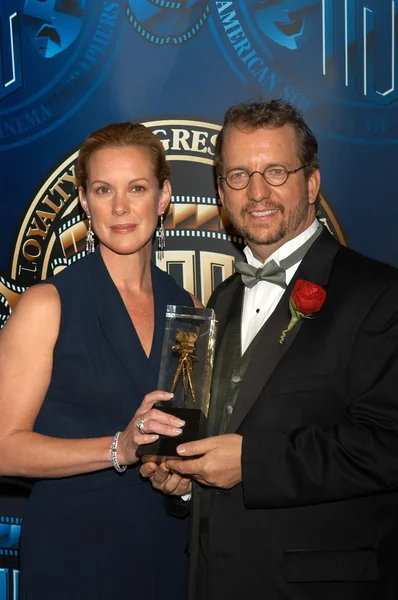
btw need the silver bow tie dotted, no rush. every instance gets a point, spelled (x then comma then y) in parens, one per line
(271, 271)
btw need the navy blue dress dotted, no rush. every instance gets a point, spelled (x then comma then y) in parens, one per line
(101, 535)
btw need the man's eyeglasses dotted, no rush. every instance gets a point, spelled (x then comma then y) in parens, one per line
(275, 175)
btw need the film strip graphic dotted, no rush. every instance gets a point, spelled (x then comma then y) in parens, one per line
(15, 288)
(5, 310)
(200, 217)
(195, 258)
(10, 532)
(188, 216)
(72, 236)
(195, 199)
(63, 262)
(69, 224)
(9, 293)
(210, 235)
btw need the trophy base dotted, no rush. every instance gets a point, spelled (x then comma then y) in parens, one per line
(192, 430)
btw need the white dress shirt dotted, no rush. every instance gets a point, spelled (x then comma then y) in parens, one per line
(260, 301)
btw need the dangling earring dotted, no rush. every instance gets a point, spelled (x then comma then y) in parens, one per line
(162, 237)
(89, 238)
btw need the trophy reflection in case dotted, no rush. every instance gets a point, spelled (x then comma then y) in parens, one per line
(185, 369)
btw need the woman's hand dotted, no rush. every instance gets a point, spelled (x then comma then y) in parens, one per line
(154, 422)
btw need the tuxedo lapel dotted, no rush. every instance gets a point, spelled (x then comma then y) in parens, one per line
(116, 326)
(268, 351)
(318, 261)
(225, 302)
(266, 355)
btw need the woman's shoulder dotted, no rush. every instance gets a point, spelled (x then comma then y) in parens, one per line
(38, 307)
(39, 297)
(75, 272)
(78, 282)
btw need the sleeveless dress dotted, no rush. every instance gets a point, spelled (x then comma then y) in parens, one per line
(101, 535)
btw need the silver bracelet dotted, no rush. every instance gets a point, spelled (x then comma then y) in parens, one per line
(113, 454)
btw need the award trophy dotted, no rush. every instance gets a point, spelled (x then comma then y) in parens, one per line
(185, 369)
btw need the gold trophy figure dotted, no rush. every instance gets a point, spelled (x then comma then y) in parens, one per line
(185, 369)
(185, 346)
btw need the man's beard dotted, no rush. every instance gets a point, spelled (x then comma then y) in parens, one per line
(260, 234)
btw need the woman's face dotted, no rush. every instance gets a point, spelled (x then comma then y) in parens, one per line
(123, 198)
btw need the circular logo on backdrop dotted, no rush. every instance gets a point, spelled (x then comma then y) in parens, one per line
(318, 55)
(54, 55)
(167, 22)
(9, 294)
(201, 244)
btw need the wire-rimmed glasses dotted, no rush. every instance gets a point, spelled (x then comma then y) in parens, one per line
(274, 175)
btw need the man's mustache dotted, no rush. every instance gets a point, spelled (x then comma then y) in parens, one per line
(266, 205)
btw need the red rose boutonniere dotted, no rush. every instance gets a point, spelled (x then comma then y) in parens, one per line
(306, 299)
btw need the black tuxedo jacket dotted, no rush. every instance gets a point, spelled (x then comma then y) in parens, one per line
(316, 514)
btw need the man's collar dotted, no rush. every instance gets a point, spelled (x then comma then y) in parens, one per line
(287, 248)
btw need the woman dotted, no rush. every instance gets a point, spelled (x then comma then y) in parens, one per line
(74, 411)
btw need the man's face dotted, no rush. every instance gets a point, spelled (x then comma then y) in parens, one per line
(267, 216)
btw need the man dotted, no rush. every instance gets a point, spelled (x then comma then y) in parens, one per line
(297, 498)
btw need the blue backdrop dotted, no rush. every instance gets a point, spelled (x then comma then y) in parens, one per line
(70, 66)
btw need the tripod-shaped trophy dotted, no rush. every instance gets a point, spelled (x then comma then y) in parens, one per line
(185, 347)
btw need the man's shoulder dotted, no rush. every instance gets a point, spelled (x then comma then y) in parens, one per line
(221, 289)
(357, 266)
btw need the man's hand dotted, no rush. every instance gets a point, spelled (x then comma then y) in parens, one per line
(217, 460)
(155, 469)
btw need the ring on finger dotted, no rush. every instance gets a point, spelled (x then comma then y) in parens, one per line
(140, 425)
